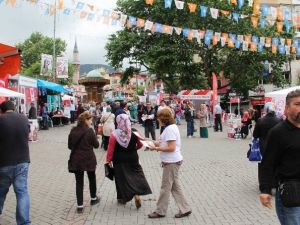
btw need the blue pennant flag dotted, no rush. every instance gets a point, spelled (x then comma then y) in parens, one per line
(298, 51)
(90, 16)
(207, 39)
(132, 20)
(264, 10)
(209, 33)
(106, 12)
(287, 26)
(237, 43)
(185, 32)
(158, 28)
(67, 11)
(203, 11)
(114, 22)
(47, 10)
(260, 47)
(281, 49)
(241, 3)
(287, 14)
(275, 41)
(236, 17)
(1, 1)
(80, 5)
(262, 23)
(232, 36)
(296, 42)
(168, 4)
(255, 39)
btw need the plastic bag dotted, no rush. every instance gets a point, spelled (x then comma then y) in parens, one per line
(255, 155)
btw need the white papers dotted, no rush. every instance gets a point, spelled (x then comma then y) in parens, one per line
(148, 144)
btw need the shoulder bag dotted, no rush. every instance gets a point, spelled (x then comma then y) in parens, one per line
(100, 126)
(70, 167)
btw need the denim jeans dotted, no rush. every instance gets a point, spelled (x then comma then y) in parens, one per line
(190, 128)
(17, 176)
(287, 216)
(178, 119)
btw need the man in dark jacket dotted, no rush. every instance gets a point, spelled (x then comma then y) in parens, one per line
(149, 121)
(32, 112)
(14, 159)
(262, 128)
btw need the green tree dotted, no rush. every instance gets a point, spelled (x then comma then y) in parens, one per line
(32, 49)
(170, 57)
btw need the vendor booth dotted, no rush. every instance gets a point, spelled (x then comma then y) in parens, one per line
(9, 93)
(278, 98)
(198, 97)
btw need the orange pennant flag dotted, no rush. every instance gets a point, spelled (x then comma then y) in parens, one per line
(253, 47)
(115, 15)
(60, 4)
(230, 43)
(225, 13)
(289, 42)
(91, 7)
(52, 10)
(32, 1)
(225, 35)
(268, 41)
(192, 7)
(11, 2)
(280, 13)
(279, 26)
(256, 8)
(140, 22)
(215, 40)
(149, 2)
(129, 25)
(293, 50)
(191, 35)
(234, 2)
(254, 21)
(248, 38)
(274, 49)
(166, 29)
(83, 14)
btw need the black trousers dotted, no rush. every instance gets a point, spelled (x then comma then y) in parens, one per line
(218, 122)
(105, 141)
(72, 116)
(79, 176)
(148, 130)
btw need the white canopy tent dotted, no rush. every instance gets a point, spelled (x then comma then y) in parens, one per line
(278, 98)
(9, 93)
(68, 97)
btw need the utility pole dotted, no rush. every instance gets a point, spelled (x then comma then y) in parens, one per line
(54, 51)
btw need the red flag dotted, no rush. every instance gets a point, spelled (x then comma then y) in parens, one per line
(215, 92)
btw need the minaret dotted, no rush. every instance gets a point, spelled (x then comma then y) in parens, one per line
(76, 64)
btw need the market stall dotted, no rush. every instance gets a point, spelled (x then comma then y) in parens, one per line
(4, 92)
(198, 97)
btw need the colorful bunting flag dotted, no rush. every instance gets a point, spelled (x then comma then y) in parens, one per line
(250, 3)
(192, 7)
(178, 30)
(149, 2)
(237, 44)
(253, 47)
(241, 3)
(225, 13)
(83, 14)
(91, 16)
(279, 27)
(185, 32)
(60, 5)
(280, 13)
(168, 4)
(106, 12)
(140, 22)
(282, 41)
(223, 41)
(274, 49)
(256, 8)
(179, 4)
(148, 25)
(245, 46)
(262, 23)
(260, 47)
(268, 42)
(80, 5)
(264, 11)
(203, 11)
(214, 13)
(275, 41)
(123, 19)
(281, 49)
(132, 20)
(215, 40)
(262, 40)
(67, 11)
(273, 13)
(287, 49)
(254, 21)
(218, 36)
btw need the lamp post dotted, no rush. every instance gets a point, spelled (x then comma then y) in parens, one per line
(54, 50)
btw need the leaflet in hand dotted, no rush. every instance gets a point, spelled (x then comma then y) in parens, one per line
(148, 144)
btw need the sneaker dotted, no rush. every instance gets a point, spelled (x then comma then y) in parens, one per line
(95, 201)
(79, 210)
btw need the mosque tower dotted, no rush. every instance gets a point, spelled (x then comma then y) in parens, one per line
(76, 64)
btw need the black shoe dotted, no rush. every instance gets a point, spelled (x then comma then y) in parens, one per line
(96, 201)
(79, 210)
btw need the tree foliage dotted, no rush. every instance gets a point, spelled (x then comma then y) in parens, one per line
(32, 49)
(170, 57)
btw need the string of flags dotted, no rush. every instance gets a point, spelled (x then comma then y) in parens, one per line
(244, 42)
(262, 16)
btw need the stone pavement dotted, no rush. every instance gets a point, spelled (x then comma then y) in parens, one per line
(218, 181)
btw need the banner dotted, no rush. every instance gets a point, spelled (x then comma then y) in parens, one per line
(46, 65)
(62, 67)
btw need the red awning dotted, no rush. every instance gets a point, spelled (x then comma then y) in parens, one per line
(10, 60)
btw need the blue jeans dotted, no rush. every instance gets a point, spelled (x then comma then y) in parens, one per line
(287, 216)
(17, 176)
(190, 128)
(178, 119)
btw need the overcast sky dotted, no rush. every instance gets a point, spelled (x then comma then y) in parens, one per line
(17, 23)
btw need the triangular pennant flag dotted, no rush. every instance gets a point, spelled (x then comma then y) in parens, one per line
(67, 11)
(275, 41)
(178, 30)
(207, 39)
(268, 42)
(241, 3)
(287, 49)
(274, 49)
(196, 34)
(90, 16)
(224, 12)
(140, 22)
(52, 10)
(214, 13)
(148, 25)
(245, 46)
(280, 13)
(293, 49)
(167, 29)
(233, 2)
(287, 26)
(253, 47)
(215, 40)
(232, 36)
(106, 12)
(201, 34)
(273, 13)
(190, 35)
(264, 10)
(179, 4)
(80, 5)
(149, 2)
(287, 14)
(247, 38)
(260, 47)
(282, 41)
(254, 21)
(158, 28)
(115, 15)
(218, 35)
(128, 24)
(83, 14)
(236, 17)
(192, 7)
(237, 44)
(223, 41)
(132, 20)
(298, 51)
(254, 39)
(1, 1)
(256, 8)
(11, 2)
(203, 11)
(289, 42)
(168, 4)
(185, 32)
(250, 3)
(262, 23)
(123, 19)
(279, 27)
(281, 49)
(240, 38)
(47, 10)
(296, 42)
(60, 4)
(114, 22)
(230, 43)
(90, 7)
(262, 40)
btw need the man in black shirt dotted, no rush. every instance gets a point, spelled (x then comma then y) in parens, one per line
(14, 159)
(32, 112)
(282, 158)
(149, 121)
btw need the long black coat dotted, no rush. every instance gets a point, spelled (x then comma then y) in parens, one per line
(84, 158)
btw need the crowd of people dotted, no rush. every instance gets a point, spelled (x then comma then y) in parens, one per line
(278, 143)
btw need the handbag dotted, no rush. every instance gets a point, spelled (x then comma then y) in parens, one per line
(289, 192)
(255, 155)
(70, 167)
(100, 126)
(109, 171)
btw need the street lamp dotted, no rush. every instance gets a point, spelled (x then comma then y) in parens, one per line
(54, 37)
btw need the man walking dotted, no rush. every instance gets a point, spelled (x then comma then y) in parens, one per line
(282, 158)
(149, 121)
(218, 118)
(14, 160)
(72, 111)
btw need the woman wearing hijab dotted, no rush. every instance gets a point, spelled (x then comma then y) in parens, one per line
(203, 116)
(246, 121)
(122, 153)
(82, 141)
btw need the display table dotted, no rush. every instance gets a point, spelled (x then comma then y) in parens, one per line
(234, 124)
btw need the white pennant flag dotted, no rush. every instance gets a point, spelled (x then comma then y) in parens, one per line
(287, 49)
(196, 34)
(178, 30)
(148, 25)
(250, 3)
(273, 13)
(223, 41)
(244, 16)
(218, 36)
(262, 40)
(214, 13)
(240, 38)
(179, 4)
(245, 46)
(282, 41)
(271, 22)
(123, 19)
